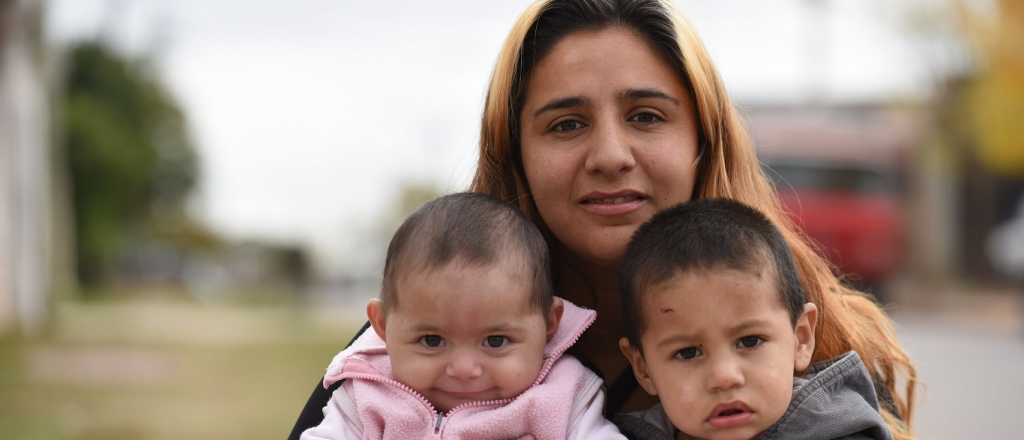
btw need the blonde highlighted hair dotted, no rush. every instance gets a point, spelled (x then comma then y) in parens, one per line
(727, 167)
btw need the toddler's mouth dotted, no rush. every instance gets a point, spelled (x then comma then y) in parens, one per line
(729, 415)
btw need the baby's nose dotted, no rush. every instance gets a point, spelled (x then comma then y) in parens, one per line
(464, 366)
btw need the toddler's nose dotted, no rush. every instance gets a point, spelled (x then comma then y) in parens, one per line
(725, 374)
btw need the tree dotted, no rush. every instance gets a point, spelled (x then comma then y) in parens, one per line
(128, 152)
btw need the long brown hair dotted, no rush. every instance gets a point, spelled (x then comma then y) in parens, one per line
(727, 167)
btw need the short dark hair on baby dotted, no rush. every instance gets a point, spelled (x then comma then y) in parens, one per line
(472, 229)
(704, 234)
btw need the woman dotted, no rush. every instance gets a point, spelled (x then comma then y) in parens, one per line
(600, 113)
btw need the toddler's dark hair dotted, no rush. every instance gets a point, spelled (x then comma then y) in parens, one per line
(470, 229)
(704, 234)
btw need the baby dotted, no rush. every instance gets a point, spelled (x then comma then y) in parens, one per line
(719, 329)
(468, 341)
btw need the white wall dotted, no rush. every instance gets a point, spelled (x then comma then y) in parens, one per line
(25, 176)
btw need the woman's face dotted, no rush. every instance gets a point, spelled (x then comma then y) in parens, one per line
(609, 138)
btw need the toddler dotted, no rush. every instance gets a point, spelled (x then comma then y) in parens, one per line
(468, 341)
(718, 328)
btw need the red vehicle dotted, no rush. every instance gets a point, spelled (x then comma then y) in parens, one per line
(852, 210)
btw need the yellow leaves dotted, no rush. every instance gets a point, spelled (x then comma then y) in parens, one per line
(995, 98)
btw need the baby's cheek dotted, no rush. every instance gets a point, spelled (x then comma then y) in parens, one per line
(516, 374)
(416, 373)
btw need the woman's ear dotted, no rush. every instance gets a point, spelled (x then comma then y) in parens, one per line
(635, 356)
(554, 316)
(804, 332)
(375, 313)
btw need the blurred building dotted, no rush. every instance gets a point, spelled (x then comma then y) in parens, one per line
(903, 184)
(841, 172)
(25, 170)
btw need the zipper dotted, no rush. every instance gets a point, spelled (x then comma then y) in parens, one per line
(441, 416)
(437, 426)
(473, 404)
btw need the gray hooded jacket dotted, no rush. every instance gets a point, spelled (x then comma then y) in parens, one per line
(834, 399)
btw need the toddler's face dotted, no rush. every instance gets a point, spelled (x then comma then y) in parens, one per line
(720, 352)
(465, 333)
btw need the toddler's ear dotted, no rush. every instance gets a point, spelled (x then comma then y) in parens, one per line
(554, 316)
(639, 364)
(804, 332)
(375, 313)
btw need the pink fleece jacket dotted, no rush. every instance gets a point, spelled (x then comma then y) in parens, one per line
(565, 401)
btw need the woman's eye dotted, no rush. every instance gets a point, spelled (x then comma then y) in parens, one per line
(688, 353)
(567, 125)
(496, 341)
(431, 341)
(749, 342)
(646, 118)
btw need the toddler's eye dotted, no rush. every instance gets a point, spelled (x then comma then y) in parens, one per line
(749, 342)
(431, 341)
(496, 341)
(688, 353)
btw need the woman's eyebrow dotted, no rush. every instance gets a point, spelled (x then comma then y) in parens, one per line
(560, 103)
(634, 94)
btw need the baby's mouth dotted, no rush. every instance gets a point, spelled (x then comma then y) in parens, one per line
(468, 394)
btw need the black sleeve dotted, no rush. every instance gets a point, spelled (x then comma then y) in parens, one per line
(619, 392)
(312, 414)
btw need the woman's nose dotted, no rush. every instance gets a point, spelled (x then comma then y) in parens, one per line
(726, 374)
(610, 152)
(464, 366)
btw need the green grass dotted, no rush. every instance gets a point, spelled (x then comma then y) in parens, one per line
(159, 369)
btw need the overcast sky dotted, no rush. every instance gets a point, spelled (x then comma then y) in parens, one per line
(308, 113)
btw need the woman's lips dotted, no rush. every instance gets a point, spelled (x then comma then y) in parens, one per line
(612, 204)
(730, 415)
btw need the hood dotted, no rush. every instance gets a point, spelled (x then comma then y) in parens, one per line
(834, 399)
(368, 353)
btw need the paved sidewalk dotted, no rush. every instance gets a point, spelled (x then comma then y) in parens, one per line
(968, 346)
(994, 309)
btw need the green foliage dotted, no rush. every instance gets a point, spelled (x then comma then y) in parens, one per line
(128, 153)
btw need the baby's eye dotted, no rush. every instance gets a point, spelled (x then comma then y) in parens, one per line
(646, 118)
(431, 341)
(567, 125)
(687, 353)
(749, 342)
(496, 341)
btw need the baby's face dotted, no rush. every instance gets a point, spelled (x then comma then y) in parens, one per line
(720, 352)
(462, 334)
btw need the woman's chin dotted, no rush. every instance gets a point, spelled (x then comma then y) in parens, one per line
(597, 248)
(603, 258)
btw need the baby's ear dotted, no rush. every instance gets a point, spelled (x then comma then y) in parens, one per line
(804, 332)
(375, 313)
(554, 316)
(636, 360)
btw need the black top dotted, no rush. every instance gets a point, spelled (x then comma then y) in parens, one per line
(312, 414)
